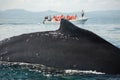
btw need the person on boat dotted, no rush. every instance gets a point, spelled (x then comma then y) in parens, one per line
(55, 18)
(68, 17)
(45, 18)
(82, 13)
(62, 16)
(75, 17)
(49, 18)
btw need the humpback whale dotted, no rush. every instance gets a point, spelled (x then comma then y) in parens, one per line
(69, 47)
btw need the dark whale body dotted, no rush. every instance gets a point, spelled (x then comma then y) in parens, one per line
(69, 47)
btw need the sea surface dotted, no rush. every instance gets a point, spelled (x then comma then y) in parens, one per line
(108, 29)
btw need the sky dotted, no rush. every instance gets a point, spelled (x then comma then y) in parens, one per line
(60, 5)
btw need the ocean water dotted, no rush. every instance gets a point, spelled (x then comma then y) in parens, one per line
(109, 30)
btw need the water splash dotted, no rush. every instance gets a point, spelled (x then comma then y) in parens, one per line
(26, 71)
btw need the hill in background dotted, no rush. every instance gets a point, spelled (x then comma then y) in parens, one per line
(113, 15)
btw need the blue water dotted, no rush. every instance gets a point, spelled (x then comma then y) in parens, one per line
(109, 29)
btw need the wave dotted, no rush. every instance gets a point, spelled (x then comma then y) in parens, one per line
(26, 71)
(46, 71)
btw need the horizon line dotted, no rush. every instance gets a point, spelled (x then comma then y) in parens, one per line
(60, 11)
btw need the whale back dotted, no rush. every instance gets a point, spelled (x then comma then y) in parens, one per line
(69, 47)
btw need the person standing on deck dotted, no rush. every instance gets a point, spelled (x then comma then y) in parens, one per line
(82, 13)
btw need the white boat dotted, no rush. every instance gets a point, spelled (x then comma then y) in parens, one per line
(78, 21)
